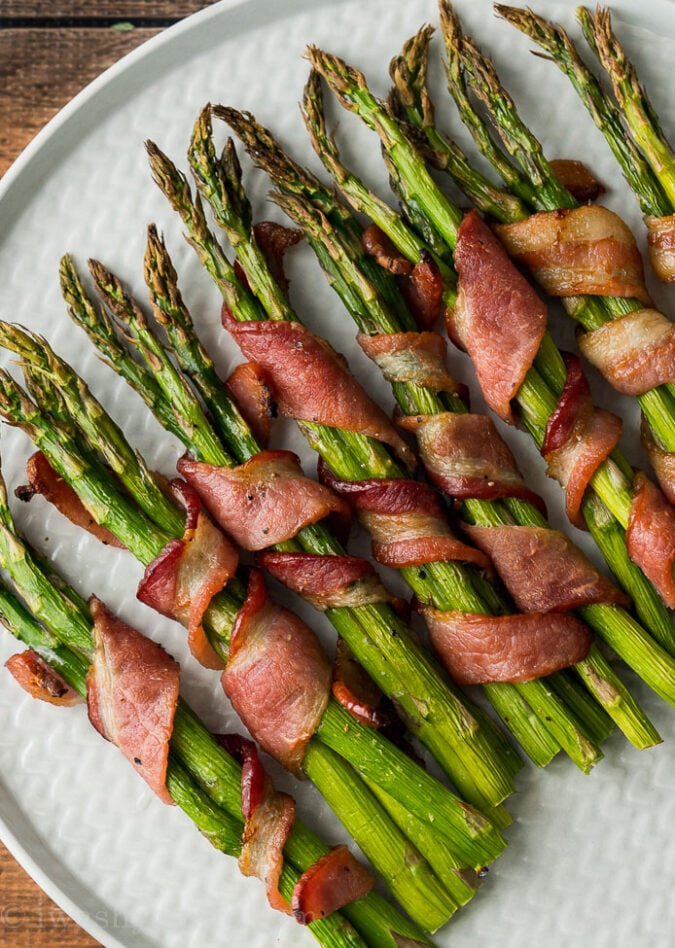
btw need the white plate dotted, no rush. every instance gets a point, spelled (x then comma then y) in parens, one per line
(591, 858)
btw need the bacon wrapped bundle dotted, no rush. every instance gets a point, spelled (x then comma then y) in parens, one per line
(264, 501)
(497, 312)
(577, 251)
(661, 245)
(183, 579)
(579, 437)
(40, 680)
(277, 677)
(132, 694)
(310, 381)
(478, 649)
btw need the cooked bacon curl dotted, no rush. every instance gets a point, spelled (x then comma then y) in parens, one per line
(40, 680)
(333, 881)
(578, 179)
(661, 245)
(650, 537)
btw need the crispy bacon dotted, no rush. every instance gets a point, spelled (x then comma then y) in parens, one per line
(265, 501)
(132, 694)
(327, 582)
(417, 357)
(277, 677)
(406, 521)
(40, 680)
(498, 319)
(661, 245)
(543, 570)
(43, 479)
(662, 461)
(254, 399)
(579, 437)
(465, 456)
(332, 882)
(575, 251)
(376, 243)
(274, 240)
(650, 537)
(183, 579)
(480, 649)
(422, 290)
(310, 381)
(635, 352)
(355, 691)
(578, 179)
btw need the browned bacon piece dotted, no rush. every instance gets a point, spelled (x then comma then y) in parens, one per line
(132, 694)
(417, 357)
(661, 245)
(264, 501)
(310, 381)
(662, 461)
(278, 677)
(268, 820)
(376, 243)
(183, 579)
(635, 352)
(650, 537)
(406, 521)
(43, 479)
(579, 437)
(251, 392)
(576, 251)
(465, 456)
(578, 179)
(355, 691)
(478, 649)
(498, 319)
(327, 582)
(543, 570)
(40, 680)
(274, 240)
(333, 881)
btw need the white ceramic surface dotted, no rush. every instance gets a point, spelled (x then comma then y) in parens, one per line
(591, 857)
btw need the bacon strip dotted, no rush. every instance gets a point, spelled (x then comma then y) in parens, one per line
(332, 882)
(376, 243)
(576, 251)
(498, 319)
(132, 694)
(40, 680)
(465, 456)
(635, 352)
(661, 245)
(578, 179)
(183, 579)
(479, 649)
(406, 521)
(310, 381)
(327, 582)
(249, 387)
(277, 677)
(417, 357)
(650, 537)
(662, 461)
(578, 439)
(265, 501)
(543, 570)
(355, 691)
(43, 479)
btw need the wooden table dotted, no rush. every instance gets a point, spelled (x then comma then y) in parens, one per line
(49, 50)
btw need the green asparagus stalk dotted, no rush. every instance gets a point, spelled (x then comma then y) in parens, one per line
(342, 257)
(202, 778)
(451, 730)
(538, 395)
(408, 783)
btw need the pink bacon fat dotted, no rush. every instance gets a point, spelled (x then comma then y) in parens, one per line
(183, 579)
(43, 479)
(265, 501)
(543, 570)
(39, 679)
(406, 521)
(575, 251)
(578, 438)
(278, 677)
(661, 245)
(310, 381)
(650, 537)
(132, 694)
(327, 582)
(634, 353)
(498, 318)
(480, 649)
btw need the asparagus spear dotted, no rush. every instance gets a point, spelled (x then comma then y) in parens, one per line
(537, 397)
(383, 764)
(343, 258)
(411, 669)
(202, 778)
